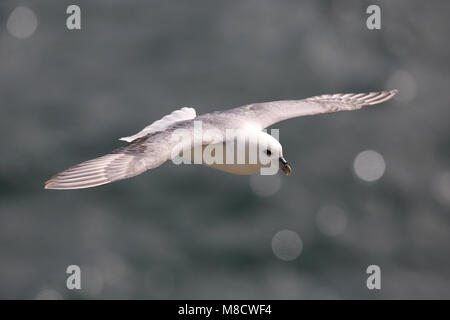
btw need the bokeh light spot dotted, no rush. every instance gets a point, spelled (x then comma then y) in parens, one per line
(265, 186)
(92, 281)
(287, 245)
(405, 83)
(331, 220)
(441, 188)
(369, 165)
(48, 294)
(22, 22)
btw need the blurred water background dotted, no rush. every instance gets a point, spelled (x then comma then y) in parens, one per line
(369, 187)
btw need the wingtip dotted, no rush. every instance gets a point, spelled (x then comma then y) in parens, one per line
(48, 185)
(378, 97)
(393, 92)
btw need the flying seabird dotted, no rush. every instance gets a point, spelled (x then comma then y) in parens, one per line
(155, 144)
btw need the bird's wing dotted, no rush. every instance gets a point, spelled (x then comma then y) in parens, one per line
(132, 159)
(265, 114)
(165, 122)
(141, 154)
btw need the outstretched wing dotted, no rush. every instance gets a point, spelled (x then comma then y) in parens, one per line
(265, 114)
(133, 159)
(141, 154)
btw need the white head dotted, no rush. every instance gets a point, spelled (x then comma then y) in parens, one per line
(270, 149)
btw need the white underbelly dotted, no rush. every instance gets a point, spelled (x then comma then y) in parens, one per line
(217, 156)
(241, 169)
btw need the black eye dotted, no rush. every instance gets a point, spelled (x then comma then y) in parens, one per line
(268, 152)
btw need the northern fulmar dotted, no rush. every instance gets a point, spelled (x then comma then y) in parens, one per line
(166, 138)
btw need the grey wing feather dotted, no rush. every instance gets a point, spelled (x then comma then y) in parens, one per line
(126, 162)
(132, 159)
(267, 113)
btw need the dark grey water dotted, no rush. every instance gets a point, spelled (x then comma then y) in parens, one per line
(192, 232)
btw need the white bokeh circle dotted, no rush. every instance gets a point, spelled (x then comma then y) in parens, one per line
(369, 165)
(22, 22)
(287, 245)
